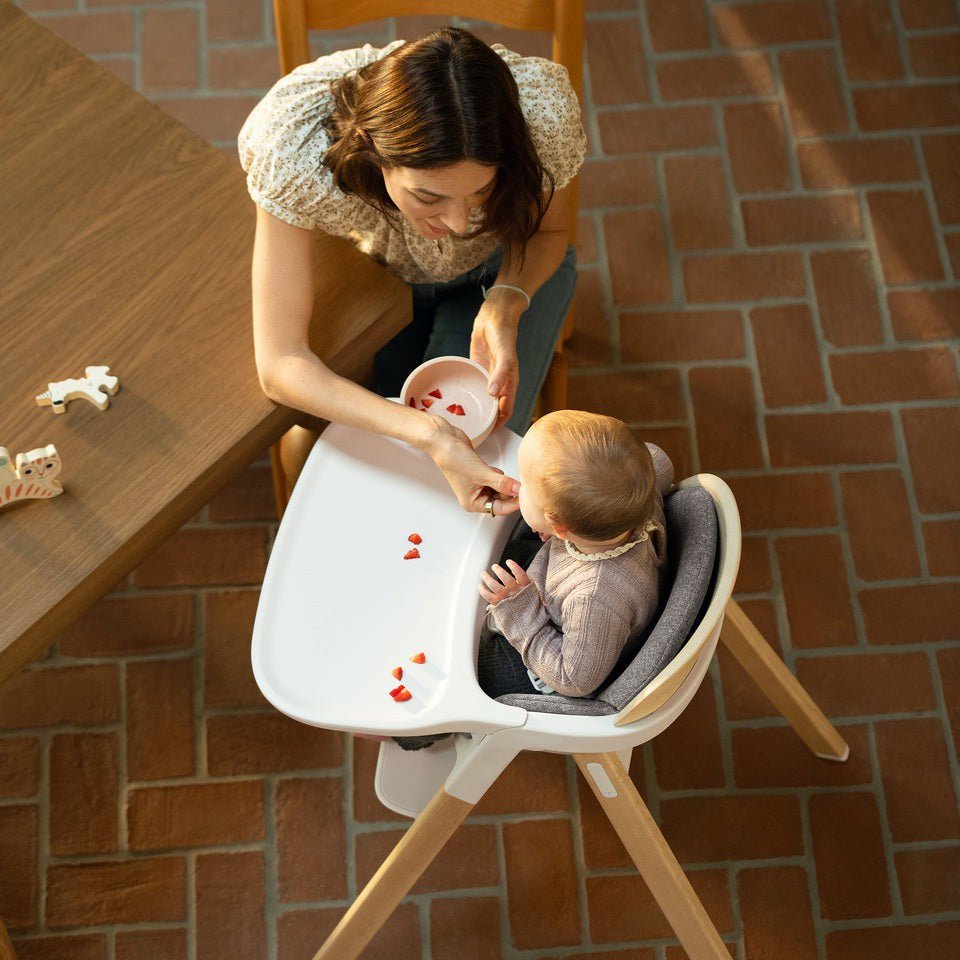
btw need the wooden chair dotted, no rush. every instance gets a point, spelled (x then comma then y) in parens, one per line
(6, 947)
(563, 18)
(304, 668)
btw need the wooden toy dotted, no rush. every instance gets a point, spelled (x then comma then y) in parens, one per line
(89, 387)
(34, 477)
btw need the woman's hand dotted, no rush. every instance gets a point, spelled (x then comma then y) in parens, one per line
(493, 592)
(473, 481)
(494, 346)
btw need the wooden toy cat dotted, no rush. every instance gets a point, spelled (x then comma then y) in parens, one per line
(34, 477)
(88, 387)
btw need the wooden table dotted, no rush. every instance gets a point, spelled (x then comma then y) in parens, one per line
(126, 240)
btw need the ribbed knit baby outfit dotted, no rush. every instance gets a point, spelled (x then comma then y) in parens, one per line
(570, 625)
(572, 622)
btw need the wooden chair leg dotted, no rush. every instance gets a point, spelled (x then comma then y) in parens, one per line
(397, 874)
(771, 675)
(287, 458)
(281, 495)
(640, 834)
(553, 394)
(6, 947)
(567, 327)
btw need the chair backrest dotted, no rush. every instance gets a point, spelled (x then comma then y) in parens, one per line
(705, 526)
(703, 545)
(562, 18)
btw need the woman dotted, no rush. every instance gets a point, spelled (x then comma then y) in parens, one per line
(446, 160)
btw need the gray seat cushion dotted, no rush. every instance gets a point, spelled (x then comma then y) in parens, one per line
(691, 549)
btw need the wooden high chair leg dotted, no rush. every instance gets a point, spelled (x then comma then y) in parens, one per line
(281, 495)
(652, 855)
(287, 457)
(397, 874)
(553, 393)
(771, 675)
(6, 947)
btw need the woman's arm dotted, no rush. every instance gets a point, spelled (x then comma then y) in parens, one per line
(292, 375)
(494, 341)
(545, 251)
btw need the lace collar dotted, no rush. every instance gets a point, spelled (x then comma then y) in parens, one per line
(648, 528)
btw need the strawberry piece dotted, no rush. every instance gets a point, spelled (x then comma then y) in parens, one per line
(413, 403)
(437, 394)
(395, 692)
(397, 673)
(460, 412)
(426, 401)
(413, 554)
(415, 538)
(419, 658)
(452, 408)
(403, 695)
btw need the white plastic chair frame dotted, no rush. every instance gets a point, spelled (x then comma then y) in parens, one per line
(601, 747)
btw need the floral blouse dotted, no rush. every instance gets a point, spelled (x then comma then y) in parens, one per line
(283, 140)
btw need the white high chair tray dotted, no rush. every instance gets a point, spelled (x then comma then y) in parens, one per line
(340, 607)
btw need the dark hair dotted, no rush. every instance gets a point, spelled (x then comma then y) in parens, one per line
(431, 103)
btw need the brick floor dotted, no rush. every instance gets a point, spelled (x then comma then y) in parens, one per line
(770, 246)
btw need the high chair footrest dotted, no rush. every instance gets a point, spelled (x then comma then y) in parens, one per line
(406, 780)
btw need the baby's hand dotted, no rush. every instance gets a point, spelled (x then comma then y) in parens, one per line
(493, 592)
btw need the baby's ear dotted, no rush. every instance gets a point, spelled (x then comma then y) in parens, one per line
(558, 527)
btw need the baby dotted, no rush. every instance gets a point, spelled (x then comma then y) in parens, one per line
(594, 493)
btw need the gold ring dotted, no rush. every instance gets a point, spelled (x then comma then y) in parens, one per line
(488, 508)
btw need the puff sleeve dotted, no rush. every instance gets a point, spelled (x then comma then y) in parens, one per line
(552, 112)
(282, 143)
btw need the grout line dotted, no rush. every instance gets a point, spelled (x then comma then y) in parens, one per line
(900, 33)
(202, 50)
(942, 714)
(906, 471)
(503, 892)
(271, 892)
(579, 854)
(813, 881)
(886, 841)
(350, 824)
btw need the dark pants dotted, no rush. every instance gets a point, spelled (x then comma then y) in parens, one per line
(499, 668)
(443, 315)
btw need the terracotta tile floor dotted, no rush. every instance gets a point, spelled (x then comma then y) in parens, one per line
(770, 244)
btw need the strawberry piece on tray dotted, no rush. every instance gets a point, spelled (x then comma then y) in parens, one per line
(419, 658)
(413, 402)
(397, 673)
(426, 401)
(460, 412)
(403, 695)
(437, 394)
(413, 554)
(415, 538)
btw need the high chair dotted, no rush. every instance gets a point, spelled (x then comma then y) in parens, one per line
(340, 608)
(563, 18)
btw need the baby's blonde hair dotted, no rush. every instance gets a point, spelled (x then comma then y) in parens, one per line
(596, 478)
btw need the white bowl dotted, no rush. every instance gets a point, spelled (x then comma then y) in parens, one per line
(460, 381)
